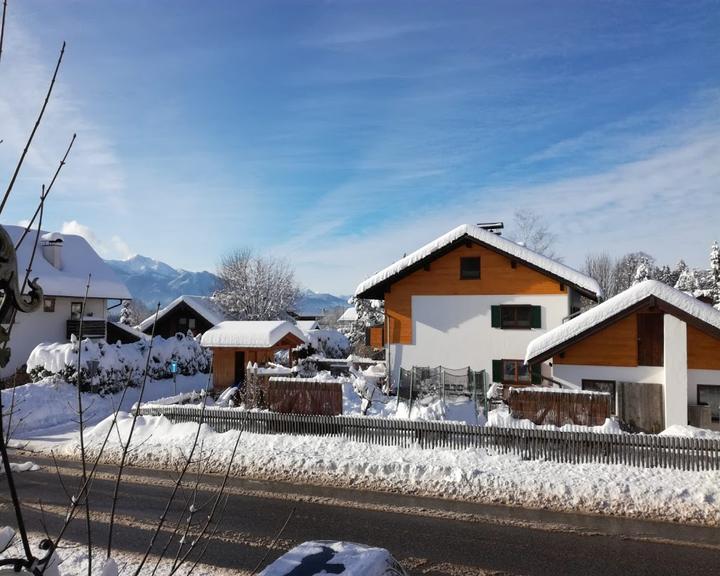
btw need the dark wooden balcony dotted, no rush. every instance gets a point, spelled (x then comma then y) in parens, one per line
(91, 328)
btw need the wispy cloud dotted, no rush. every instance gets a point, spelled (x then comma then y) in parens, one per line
(115, 247)
(662, 203)
(93, 173)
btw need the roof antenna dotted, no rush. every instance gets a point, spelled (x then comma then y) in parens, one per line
(493, 227)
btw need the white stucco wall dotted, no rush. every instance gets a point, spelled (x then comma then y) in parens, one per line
(456, 331)
(695, 377)
(576, 373)
(32, 329)
(676, 370)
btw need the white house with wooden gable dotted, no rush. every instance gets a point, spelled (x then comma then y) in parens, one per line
(62, 264)
(650, 338)
(473, 299)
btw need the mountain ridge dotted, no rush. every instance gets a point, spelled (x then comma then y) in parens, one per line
(152, 281)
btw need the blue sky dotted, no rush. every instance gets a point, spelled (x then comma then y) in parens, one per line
(341, 135)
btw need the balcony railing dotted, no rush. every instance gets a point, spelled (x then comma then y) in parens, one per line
(91, 328)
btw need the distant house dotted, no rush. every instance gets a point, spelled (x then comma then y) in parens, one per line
(307, 325)
(650, 338)
(347, 318)
(62, 264)
(195, 313)
(235, 343)
(473, 299)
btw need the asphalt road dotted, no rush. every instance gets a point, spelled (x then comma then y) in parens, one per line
(428, 536)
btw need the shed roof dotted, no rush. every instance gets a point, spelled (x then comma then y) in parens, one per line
(202, 305)
(250, 334)
(78, 261)
(647, 293)
(374, 286)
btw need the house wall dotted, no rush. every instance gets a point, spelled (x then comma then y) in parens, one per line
(676, 371)
(40, 326)
(456, 331)
(576, 374)
(703, 350)
(498, 277)
(616, 345)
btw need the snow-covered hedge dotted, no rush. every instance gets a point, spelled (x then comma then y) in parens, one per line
(118, 363)
(329, 343)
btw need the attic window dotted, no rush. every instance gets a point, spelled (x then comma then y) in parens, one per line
(470, 268)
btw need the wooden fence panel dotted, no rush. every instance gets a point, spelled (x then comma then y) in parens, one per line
(555, 445)
(559, 407)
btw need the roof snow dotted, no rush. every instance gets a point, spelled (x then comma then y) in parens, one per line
(618, 304)
(78, 261)
(307, 325)
(504, 245)
(202, 305)
(250, 334)
(350, 315)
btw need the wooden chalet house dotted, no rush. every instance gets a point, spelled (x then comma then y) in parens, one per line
(473, 299)
(235, 343)
(194, 313)
(655, 349)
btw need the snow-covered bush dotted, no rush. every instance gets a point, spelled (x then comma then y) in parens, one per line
(329, 343)
(117, 364)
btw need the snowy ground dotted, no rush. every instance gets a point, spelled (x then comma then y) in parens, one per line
(71, 560)
(476, 475)
(48, 409)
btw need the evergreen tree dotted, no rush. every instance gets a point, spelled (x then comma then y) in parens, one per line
(642, 271)
(687, 282)
(715, 271)
(369, 313)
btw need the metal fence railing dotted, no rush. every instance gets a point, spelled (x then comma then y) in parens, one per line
(572, 447)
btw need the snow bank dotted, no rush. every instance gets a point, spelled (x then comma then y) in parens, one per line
(689, 432)
(119, 363)
(472, 474)
(501, 418)
(49, 406)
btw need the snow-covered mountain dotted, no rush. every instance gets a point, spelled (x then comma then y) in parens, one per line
(152, 281)
(313, 303)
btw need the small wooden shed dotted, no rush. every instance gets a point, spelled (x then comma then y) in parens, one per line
(235, 343)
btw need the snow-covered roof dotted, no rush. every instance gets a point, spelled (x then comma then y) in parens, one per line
(130, 330)
(615, 306)
(521, 253)
(250, 334)
(350, 315)
(78, 260)
(307, 325)
(202, 305)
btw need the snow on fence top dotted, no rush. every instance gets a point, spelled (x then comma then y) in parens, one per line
(509, 247)
(203, 305)
(618, 304)
(250, 334)
(77, 260)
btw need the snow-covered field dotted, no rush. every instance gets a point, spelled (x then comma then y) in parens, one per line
(476, 475)
(49, 407)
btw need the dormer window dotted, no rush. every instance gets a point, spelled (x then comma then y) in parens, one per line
(470, 268)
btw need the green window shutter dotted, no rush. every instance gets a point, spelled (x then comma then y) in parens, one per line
(497, 371)
(536, 317)
(535, 374)
(495, 316)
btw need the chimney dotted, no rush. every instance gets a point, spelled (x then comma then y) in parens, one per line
(51, 245)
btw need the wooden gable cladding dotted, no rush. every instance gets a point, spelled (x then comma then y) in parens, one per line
(614, 345)
(499, 274)
(703, 350)
(224, 369)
